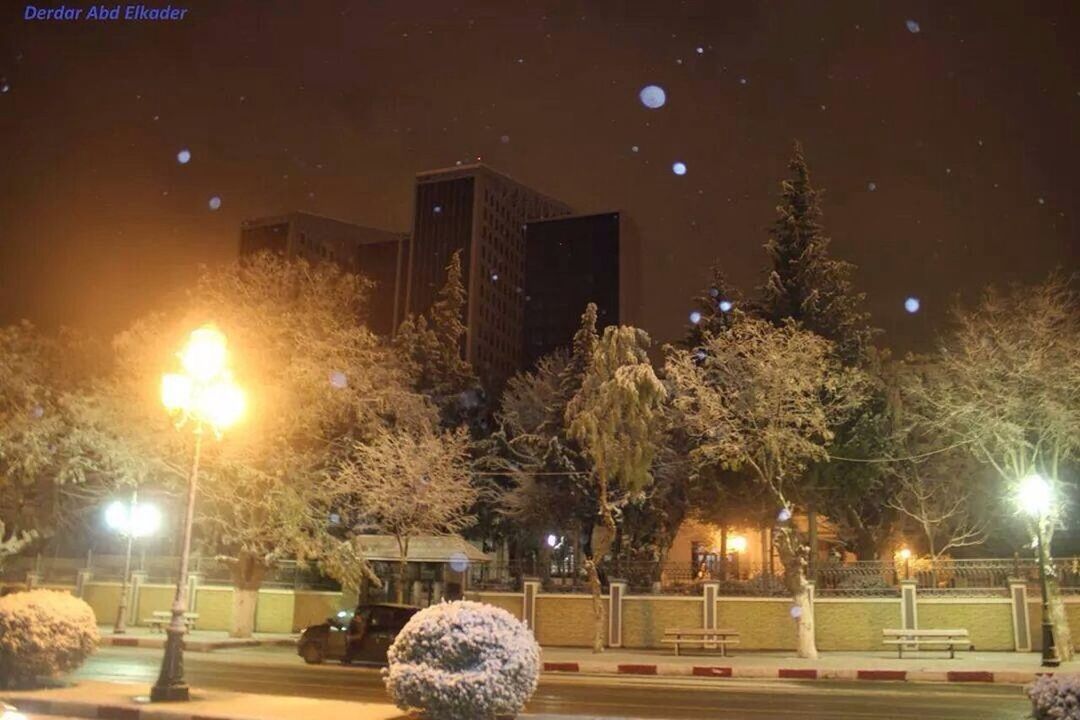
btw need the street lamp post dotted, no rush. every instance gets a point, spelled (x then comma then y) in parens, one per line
(1036, 498)
(131, 520)
(204, 395)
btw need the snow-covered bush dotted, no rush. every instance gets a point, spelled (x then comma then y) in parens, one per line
(1055, 698)
(463, 661)
(43, 633)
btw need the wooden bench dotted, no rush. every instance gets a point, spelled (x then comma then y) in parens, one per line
(161, 618)
(940, 639)
(701, 638)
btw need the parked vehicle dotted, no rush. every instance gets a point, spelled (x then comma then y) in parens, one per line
(362, 635)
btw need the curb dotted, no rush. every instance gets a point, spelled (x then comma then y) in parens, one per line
(1011, 677)
(192, 645)
(90, 709)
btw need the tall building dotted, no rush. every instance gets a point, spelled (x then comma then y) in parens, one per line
(570, 262)
(356, 249)
(481, 212)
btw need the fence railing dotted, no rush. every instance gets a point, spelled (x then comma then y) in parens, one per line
(984, 577)
(157, 569)
(989, 577)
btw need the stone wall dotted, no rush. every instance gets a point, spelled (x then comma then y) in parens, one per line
(645, 618)
(510, 602)
(566, 620)
(854, 624)
(989, 621)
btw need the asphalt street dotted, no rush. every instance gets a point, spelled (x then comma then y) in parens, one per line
(279, 672)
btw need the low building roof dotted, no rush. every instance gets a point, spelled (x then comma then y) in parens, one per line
(422, 548)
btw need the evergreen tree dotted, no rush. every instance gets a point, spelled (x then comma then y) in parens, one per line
(713, 307)
(805, 283)
(431, 347)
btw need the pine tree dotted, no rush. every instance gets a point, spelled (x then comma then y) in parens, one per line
(431, 347)
(805, 283)
(582, 350)
(713, 307)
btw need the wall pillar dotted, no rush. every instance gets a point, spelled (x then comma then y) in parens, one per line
(1021, 628)
(711, 591)
(616, 591)
(909, 606)
(33, 579)
(138, 578)
(530, 589)
(194, 580)
(81, 579)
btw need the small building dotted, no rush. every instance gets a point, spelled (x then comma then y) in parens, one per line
(438, 566)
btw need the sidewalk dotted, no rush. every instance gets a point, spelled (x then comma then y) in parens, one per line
(118, 701)
(195, 641)
(991, 667)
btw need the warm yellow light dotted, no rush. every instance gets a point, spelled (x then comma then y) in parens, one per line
(736, 544)
(1035, 495)
(904, 554)
(176, 392)
(204, 355)
(221, 404)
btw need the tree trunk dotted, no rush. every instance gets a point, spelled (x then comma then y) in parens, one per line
(1058, 619)
(1062, 634)
(602, 538)
(793, 557)
(248, 572)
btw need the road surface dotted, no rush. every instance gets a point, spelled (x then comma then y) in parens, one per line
(278, 671)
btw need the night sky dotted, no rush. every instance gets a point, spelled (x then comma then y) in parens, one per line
(944, 133)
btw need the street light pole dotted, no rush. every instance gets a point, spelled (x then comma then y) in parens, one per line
(121, 612)
(1049, 649)
(170, 685)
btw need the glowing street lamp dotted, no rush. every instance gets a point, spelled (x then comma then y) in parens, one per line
(1036, 498)
(905, 555)
(130, 520)
(203, 395)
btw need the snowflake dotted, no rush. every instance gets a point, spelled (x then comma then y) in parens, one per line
(872, 186)
(725, 306)
(695, 317)
(215, 202)
(338, 379)
(679, 168)
(912, 305)
(912, 26)
(653, 96)
(183, 157)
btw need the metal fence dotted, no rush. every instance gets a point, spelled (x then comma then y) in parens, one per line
(974, 578)
(163, 569)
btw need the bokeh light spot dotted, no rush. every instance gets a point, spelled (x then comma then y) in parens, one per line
(653, 96)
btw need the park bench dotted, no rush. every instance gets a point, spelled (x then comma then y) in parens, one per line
(700, 638)
(938, 639)
(160, 620)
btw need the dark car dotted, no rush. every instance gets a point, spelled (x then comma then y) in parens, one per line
(363, 635)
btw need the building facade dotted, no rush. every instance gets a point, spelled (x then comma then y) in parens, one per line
(366, 251)
(570, 262)
(482, 213)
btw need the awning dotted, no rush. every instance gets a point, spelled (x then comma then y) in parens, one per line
(422, 548)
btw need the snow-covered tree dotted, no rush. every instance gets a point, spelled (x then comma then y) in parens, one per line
(805, 283)
(407, 484)
(767, 398)
(431, 346)
(38, 432)
(317, 382)
(1006, 384)
(617, 415)
(713, 307)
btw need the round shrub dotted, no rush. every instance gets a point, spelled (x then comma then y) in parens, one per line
(43, 633)
(463, 661)
(1055, 698)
